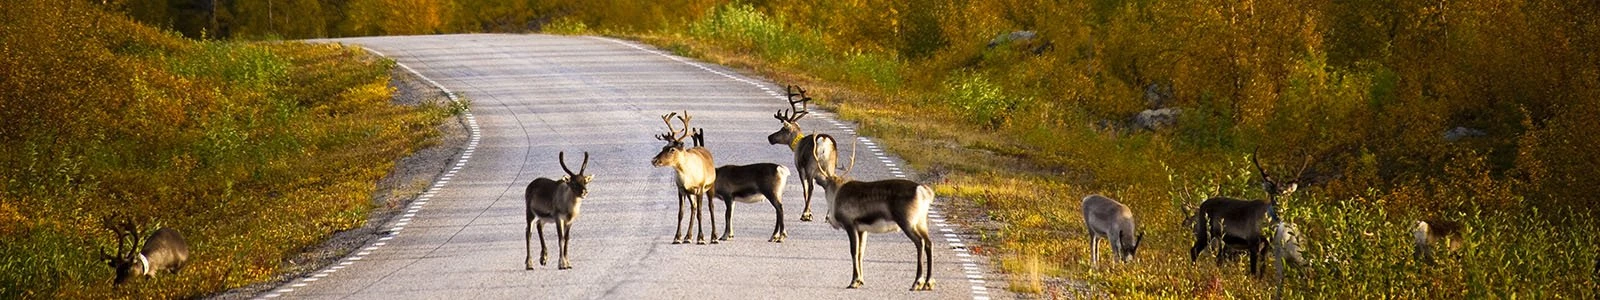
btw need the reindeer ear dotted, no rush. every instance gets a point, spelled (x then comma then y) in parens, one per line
(587, 178)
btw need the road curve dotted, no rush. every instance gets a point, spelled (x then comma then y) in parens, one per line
(534, 95)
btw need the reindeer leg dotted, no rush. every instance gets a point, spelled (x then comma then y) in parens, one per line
(1094, 249)
(699, 222)
(727, 220)
(679, 237)
(564, 234)
(858, 248)
(927, 251)
(778, 232)
(807, 183)
(916, 239)
(529, 241)
(711, 207)
(544, 254)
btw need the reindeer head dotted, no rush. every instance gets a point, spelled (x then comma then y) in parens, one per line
(578, 183)
(126, 261)
(1273, 187)
(790, 133)
(674, 148)
(1132, 243)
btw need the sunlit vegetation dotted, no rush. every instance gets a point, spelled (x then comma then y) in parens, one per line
(1367, 91)
(253, 151)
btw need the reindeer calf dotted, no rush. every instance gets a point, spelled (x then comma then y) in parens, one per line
(748, 184)
(1110, 219)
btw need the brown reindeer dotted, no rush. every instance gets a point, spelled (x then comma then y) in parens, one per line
(555, 201)
(164, 250)
(814, 155)
(696, 176)
(859, 207)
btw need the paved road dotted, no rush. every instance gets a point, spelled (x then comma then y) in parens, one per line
(534, 95)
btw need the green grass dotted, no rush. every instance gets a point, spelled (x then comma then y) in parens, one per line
(228, 142)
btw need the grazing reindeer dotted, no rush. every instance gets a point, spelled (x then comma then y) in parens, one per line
(748, 184)
(814, 155)
(696, 176)
(164, 250)
(879, 207)
(1110, 219)
(556, 201)
(1428, 233)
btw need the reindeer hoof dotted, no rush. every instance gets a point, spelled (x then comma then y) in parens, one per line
(676, 241)
(541, 260)
(805, 217)
(713, 241)
(699, 241)
(530, 265)
(854, 284)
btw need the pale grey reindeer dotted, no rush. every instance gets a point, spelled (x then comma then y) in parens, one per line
(859, 207)
(1428, 234)
(696, 176)
(815, 155)
(749, 184)
(556, 201)
(164, 250)
(1109, 219)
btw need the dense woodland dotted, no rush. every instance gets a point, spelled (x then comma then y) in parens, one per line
(1388, 111)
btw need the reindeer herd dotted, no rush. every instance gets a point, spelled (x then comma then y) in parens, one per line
(857, 207)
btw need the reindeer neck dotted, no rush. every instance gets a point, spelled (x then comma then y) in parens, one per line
(144, 264)
(794, 145)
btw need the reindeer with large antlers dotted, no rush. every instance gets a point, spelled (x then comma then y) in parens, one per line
(815, 155)
(164, 250)
(556, 201)
(696, 174)
(1236, 222)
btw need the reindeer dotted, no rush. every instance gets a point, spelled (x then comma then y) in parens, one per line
(814, 155)
(743, 184)
(1427, 234)
(1110, 219)
(696, 177)
(860, 207)
(555, 201)
(1235, 222)
(748, 184)
(164, 250)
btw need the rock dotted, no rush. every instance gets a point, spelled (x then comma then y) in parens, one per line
(1020, 36)
(1152, 119)
(1459, 133)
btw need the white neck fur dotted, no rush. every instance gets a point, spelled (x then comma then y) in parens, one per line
(144, 264)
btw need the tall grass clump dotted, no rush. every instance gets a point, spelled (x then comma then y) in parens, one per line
(252, 150)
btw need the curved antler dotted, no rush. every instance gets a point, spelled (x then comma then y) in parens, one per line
(562, 158)
(585, 166)
(685, 119)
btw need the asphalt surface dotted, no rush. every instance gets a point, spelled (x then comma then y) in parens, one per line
(534, 95)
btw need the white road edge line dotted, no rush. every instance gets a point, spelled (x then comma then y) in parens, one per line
(474, 135)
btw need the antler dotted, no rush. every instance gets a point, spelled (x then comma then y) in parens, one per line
(685, 119)
(1272, 187)
(797, 111)
(563, 157)
(673, 135)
